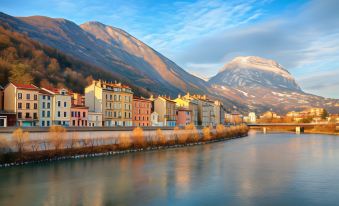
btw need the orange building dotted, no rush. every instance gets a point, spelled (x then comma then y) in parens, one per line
(183, 116)
(141, 111)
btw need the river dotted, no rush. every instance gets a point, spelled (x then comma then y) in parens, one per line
(261, 169)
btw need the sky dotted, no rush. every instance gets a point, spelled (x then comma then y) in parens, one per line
(202, 35)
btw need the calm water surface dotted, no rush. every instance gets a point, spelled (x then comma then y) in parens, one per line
(271, 169)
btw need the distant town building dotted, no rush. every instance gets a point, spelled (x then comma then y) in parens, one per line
(94, 119)
(165, 108)
(79, 116)
(155, 120)
(189, 103)
(113, 100)
(206, 113)
(141, 112)
(184, 116)
(219, 112)
(22, 99)
(269, 115)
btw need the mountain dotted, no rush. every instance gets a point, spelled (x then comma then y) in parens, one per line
(263, 84)
(112, 49)
(255, 72)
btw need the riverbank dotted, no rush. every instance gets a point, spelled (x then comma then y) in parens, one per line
(137, 142)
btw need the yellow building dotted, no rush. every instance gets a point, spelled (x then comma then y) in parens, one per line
(23, 100)
(113, 100)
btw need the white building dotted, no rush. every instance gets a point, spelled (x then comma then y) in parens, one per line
(94, 119)
(155, 120)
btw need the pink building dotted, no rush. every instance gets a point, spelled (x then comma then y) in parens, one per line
(141, 112)
(79, 116)
(183, 116)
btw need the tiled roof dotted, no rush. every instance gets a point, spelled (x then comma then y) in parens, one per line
(26, 86)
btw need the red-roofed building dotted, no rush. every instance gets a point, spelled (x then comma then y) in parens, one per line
(22, 100)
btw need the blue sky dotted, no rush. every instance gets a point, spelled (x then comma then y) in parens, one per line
(202, 35)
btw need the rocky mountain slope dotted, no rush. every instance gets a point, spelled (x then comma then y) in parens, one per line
(263, 84)
(112, 49)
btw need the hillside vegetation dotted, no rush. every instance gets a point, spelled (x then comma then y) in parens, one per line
(23, 60)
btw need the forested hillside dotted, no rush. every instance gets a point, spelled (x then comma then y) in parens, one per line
(23, 60)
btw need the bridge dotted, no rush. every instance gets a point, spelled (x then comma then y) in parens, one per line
(299, 127)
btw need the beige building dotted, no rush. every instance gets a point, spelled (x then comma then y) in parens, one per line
(94, 119)
(166, 110)
(189, 103)
(113, 100)
(61, 106)
(23, 100)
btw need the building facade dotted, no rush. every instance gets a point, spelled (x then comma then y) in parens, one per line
(45, 108)
(61, 106)
(79, 116)
(189, 103)
(183, 116)
(22, 100)
(141, 113)
(206, 115)
(94, 119)
(113, 100)
(166, 110)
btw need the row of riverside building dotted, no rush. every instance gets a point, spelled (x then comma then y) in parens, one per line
(103, 104)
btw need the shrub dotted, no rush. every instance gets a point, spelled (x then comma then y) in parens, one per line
(162, 140)
(4, 145)
(138, 137)
(220, 130)
(206, 132)
(57, 136)
(20, 139)
(125, 141)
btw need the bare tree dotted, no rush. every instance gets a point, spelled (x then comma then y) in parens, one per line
(20, 139)
(57, 136)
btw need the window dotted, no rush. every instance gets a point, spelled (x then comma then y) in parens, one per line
(27, 115)
(49, 98)
(65, 114)
(43, 96)
(72, 114)
(58, 113)
(43, 114)
(65, 104)
(43, 105)
(59, 104)
(48, 113)
(35, 106)
(28, 96)
(35, 115)
(35, 97)
(19, 95)
(48, 124)
(84, 114)
(27, 106)
(19, 105)
(48, 105)
(19, 115)
(43, 123)
(78, 114)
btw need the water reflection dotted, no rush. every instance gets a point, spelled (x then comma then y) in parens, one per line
(256, 170)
